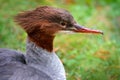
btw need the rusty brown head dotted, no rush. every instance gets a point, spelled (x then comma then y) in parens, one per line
(44, 22)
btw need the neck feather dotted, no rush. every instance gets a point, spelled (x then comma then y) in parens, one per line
(43, 40)
(45, 61)
(36, 54)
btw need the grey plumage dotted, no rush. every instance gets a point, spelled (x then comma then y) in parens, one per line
(14, 67)
(37, 64)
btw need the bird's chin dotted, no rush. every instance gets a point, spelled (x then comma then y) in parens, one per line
(66, 32)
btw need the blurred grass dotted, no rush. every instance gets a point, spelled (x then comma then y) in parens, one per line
(85, 56)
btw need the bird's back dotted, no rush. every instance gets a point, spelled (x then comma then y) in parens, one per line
(14, 67)
(8, 56)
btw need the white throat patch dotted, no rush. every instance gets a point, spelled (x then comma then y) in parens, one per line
(65, 32)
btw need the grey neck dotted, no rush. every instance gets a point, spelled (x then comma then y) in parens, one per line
(45, 61)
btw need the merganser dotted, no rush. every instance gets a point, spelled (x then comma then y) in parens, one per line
(40, 61)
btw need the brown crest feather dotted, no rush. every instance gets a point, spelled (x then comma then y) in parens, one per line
(42, 23)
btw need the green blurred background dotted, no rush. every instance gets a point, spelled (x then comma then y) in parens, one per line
(85, 56)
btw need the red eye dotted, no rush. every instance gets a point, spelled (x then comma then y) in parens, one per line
(63, 23)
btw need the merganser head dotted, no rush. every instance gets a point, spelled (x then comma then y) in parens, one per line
(44, 22)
